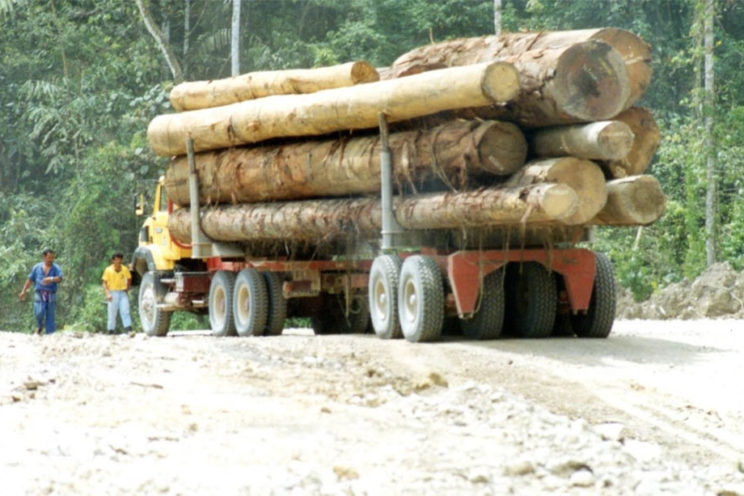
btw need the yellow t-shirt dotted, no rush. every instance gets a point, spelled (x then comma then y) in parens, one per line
(116, 281)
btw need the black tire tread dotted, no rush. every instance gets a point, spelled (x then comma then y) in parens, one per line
(598, 321)
(488, 322)
(277, 313)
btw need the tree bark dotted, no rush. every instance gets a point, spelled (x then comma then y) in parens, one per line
(645, 143)
(635, 53)
(582, 176)
(327, 111)
(497, 16)
(582, 82)
(170, 57)
(709, 102)
(632, 201)
(327, 220)
(235, 39)
(602, 140)
(194, 95)
(452, 152)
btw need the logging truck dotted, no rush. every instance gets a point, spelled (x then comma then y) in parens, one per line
(287, 197)
(412, 284)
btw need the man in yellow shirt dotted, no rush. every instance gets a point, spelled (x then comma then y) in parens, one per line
(116, 283)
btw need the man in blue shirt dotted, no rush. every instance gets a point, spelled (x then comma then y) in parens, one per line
(44, 276)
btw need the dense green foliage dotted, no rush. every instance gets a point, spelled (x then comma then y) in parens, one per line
(81, 79)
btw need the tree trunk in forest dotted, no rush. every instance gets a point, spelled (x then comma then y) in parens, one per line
(170, 57)
(635, 53)
(709, 102)
(632, 201)
(452, 152)
(186, 36)
(326, 220)
(582, 176)
(645, 143)
(497, 16)
(235, 39)
(194, 95)
(602, 140)
(582, 82)
(327, 111)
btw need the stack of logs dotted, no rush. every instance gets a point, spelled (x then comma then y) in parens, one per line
(523, 130)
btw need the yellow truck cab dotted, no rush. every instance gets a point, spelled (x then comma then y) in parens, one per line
(157, 250)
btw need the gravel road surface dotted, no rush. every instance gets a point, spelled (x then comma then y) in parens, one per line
(655, 409)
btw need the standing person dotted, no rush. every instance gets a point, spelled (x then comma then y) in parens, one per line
(116, 283)
(44, 276)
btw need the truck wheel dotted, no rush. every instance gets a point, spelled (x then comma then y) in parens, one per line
(331, 317)
(277, 304)
(599, 317)
(154, 321)
(250, 303)
(532, 300)
(420, 299)
(220, 304)
(489, 319)
(383, 296)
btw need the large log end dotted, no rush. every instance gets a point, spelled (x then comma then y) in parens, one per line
(559, 202)
(633, 201)
(500, 82)
(363, 72)
(591, 81)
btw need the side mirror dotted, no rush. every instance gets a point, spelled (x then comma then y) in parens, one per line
(139, 204)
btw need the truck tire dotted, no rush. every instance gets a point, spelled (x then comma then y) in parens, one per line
(277, 305)
(420, 299)
(383, 296)
(599, 317)
(155, 322)
(220, 304)
(488, 321)
(250, 303)
(331, 317)
(532, 300)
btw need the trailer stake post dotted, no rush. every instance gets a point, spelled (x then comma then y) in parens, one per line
(390, 227)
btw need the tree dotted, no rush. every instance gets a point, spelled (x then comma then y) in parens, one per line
(160, 39)
(235, 39)
(497, 16)
(710, 149)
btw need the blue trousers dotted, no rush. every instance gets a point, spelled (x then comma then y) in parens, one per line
(45, 310)
(119, 303)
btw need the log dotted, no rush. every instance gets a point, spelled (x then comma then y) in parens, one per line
(194, 95)
(632, 201)
(456, 151)
(326, 220)
(602, 140)
(582, 176)
(635, 52)
(327, 111)
(585, 82)
(645, 143)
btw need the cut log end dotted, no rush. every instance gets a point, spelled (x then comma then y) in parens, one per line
(615, 139)
(502, 148)
(633, 201)
(559, 202)
(591, 81)
(363, 72)
(500, 82)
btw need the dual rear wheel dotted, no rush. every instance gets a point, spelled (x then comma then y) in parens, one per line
(407, 300)
(250, 303)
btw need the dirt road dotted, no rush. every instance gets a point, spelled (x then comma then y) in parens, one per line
(655, 409)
